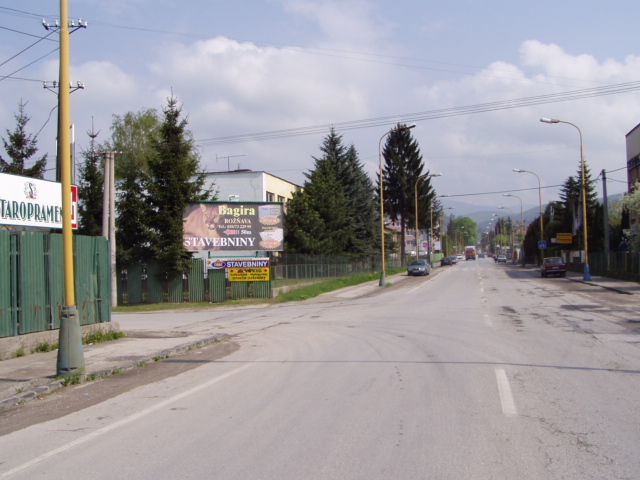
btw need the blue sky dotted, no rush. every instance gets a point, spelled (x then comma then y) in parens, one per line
(248, 67)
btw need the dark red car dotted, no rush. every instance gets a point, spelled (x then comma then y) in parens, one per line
(553, 266)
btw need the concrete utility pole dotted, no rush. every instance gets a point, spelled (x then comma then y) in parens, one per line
(605, 206)
(109, 218)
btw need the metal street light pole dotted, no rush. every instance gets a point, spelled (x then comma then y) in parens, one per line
(513, 260)
(521, 224)
(384, 263)
(587, 273)
(440, 221)
(517, 170)
(430, 175)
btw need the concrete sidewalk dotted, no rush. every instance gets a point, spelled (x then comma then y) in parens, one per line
(620, 286)
(24, 378)
(160, 334)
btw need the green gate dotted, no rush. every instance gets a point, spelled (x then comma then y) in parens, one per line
(32, 281)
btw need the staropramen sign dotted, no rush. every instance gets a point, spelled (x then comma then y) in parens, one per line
(31, 202)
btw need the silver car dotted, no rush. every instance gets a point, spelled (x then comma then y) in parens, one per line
(419, 267)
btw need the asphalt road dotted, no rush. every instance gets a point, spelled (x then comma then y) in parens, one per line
(478, 371)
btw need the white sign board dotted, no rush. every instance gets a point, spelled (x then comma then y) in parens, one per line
(31, 202)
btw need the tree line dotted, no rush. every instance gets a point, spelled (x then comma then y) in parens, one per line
(337, 212)
(566, 216)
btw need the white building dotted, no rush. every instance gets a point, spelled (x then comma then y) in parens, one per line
(633, 163)
(250, 186)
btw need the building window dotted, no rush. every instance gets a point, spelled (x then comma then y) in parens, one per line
(280, 198)
(271, 197)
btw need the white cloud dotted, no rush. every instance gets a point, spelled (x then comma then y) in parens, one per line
(345, 22)
(228, 87)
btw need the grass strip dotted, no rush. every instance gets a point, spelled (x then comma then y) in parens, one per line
(302, 293)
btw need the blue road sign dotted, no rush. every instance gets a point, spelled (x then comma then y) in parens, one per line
(542, 244)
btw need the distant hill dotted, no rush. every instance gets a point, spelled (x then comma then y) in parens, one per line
(482, 214)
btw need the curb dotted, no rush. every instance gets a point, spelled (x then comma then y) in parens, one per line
(586, 282)
(52, 386)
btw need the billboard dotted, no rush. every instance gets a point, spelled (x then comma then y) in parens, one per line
(32, 202)
(233, 226)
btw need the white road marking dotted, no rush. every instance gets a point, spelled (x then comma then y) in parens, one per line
(506, 397)
(120, 423)
(487, 320)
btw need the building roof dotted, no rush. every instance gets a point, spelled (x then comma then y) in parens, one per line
(236, 172)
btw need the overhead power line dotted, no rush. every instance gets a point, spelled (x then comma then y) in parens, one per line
(428, 115)
(27, 48)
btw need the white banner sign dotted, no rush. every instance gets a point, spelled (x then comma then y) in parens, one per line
(31, 202)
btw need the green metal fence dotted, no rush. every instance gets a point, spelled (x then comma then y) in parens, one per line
(141, 283)
(623, 265)
(32, 281)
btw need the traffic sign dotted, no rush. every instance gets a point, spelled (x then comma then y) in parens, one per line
(564, 237)
(542, 244)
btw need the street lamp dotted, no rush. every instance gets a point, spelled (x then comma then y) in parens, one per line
(587, 273)
(521, 223)
(384, 263)
(517, 170)
(442, 249)
(430, 175)
(512, 248)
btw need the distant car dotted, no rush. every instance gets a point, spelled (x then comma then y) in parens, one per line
(481, 255)
(454, 259)
(553, 266)
(460, 256)
(446, 261)
(501, 259)
(419, 267)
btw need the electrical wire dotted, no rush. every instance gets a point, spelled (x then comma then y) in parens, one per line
(25, 49)
(427, 115)
(498, 192)
(28, 34)
(4, 77)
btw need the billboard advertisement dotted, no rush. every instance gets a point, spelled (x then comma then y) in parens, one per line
(32, 202)
(234, 226)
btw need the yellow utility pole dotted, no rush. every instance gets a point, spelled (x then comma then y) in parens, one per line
(70, 352)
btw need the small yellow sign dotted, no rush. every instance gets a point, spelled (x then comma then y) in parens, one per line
(564, 237)
(248, 274)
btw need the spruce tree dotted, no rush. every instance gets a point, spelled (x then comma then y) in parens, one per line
(336, 212)
(20, 147)
(363, 208)
(314, 221)
(567, 211)
(316, 218)
(133, 234)
(572, 211)
(173, 180)
(90, 189)
(403, 166)
(595, 214)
